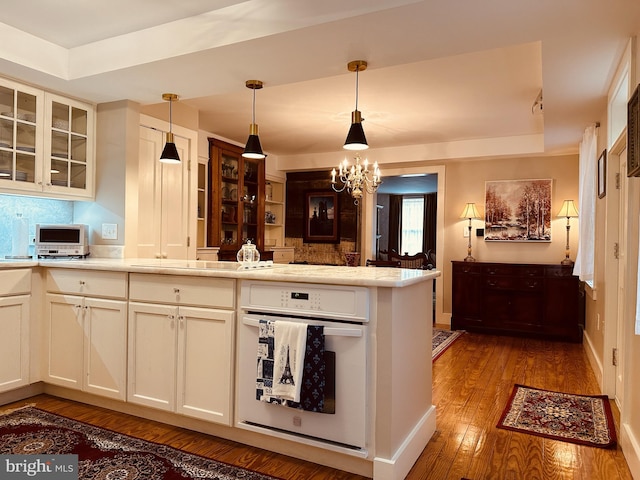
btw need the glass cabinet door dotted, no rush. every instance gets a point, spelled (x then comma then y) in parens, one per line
(69, 142)
(250, 201)
(20, 140)
(229, 200)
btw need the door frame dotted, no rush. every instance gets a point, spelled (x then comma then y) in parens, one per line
(369, 226)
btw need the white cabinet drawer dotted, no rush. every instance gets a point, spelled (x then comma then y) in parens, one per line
(283, 256)
(15, 282)
(95, 283)
(183, 290)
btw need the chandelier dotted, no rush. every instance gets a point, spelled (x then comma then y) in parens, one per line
(357, 178)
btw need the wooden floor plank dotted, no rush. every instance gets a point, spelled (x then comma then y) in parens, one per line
(472, 382)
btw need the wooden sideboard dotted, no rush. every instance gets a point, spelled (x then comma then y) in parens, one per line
(544, 301)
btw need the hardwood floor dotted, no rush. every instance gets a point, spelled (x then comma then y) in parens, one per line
(472, 382)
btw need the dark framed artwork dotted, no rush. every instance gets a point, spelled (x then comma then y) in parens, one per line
(321, 217)
(633, 134)
(602, 174)
(518, 210)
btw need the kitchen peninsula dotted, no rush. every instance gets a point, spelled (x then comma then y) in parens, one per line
(200, 378)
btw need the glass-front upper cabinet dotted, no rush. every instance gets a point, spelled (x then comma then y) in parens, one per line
(46, 143)
(21, 139)
(69, 149)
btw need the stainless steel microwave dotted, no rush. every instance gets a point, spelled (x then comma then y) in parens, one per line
(62, 240)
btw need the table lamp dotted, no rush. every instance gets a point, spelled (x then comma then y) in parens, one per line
(470, 211)
(568, 210)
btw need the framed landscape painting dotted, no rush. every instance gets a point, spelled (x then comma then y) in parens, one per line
(518, 211)
(321, 217)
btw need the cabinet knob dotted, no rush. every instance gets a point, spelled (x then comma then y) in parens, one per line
(176, 290)
(81, 282)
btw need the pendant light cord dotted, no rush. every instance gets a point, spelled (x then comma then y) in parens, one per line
(357, 70)
(170, 117)
(253, 109)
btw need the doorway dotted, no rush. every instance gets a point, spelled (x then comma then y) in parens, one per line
(370, 215)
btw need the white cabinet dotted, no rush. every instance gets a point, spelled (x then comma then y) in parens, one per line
(86, 331)
(165, 198)
(47, 143)
(283, 254)
(180, 344)
(15, 290)
(69, 158)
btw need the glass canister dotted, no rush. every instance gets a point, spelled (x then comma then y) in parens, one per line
(248, 254)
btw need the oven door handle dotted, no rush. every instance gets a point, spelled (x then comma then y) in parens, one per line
(333, 331)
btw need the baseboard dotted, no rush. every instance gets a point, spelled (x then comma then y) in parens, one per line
(396, 468)
(594, 361)
(630, 449)
(21, 393)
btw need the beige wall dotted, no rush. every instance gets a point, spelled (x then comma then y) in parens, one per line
(465, 182)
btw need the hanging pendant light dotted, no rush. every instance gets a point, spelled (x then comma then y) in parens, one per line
(357, 178)
(170, 152)
(253, 149)
(355, 138)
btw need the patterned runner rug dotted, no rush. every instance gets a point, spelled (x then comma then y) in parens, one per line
(105, 454)
(442, 339)
(582, 419)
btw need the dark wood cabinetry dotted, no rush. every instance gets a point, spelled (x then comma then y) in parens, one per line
(545, 301)
(235, 200)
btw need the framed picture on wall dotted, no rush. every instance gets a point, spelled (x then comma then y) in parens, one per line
(518, 210)
(321, 217)
(602, 174)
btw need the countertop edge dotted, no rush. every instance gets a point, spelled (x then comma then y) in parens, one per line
(337, 275)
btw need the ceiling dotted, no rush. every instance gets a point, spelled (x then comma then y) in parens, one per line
(440, 73)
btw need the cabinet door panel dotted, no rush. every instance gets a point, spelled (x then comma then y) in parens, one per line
(164, 198)
(175, 203)
(105, 350)
(152, 355)
(14, 342)
(149, 197)
(64, 340)
(205, 339)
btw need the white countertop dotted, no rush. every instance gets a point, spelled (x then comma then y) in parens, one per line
(338, 275)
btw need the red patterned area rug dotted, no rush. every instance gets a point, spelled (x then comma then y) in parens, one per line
(442, 339)
(105, 454)
(582, 419)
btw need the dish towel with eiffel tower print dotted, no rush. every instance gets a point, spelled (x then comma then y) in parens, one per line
(288, 359)
(313, 379)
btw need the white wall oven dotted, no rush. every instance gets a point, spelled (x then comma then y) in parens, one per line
(343, 314)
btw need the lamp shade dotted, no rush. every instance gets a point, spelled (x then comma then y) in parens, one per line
(253, 149)
(568, 209)
(470, 211)
(170, 152)
(356, 139)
